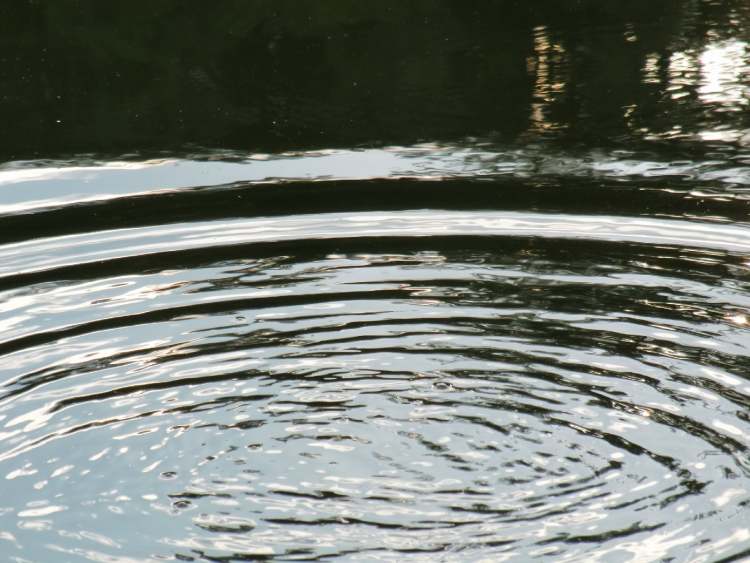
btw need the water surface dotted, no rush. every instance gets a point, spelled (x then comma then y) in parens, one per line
(476, 312)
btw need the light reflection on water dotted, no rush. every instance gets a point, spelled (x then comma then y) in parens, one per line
(493, 395)
(209, 357)
(695, 88)
(25, 189)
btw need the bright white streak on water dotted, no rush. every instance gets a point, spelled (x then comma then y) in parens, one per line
(54, 252)
(24, 188)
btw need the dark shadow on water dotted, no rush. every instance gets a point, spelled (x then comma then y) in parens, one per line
(115, 78)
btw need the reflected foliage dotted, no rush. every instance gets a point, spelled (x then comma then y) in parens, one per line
(80, 76)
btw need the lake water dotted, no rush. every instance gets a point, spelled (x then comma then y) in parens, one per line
(416, 282)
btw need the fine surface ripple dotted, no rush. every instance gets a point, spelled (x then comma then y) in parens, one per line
(443, 381)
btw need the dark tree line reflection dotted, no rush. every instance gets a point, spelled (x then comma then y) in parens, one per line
(114, 77)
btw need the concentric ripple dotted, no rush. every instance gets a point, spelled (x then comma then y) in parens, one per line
(416, 384)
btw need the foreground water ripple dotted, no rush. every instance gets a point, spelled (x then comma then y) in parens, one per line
(413, 383)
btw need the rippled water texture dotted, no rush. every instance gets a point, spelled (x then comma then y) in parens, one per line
(396, 281)
(426, 383)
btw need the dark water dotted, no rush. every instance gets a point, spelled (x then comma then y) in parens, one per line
(424, 282)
